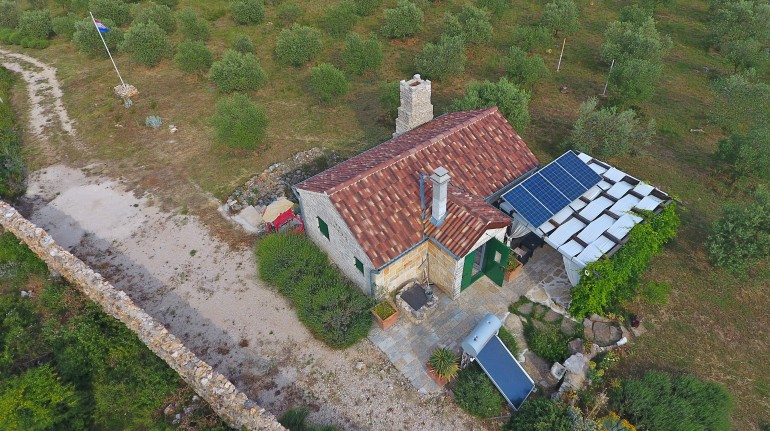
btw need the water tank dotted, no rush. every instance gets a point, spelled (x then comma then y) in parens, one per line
(481, 334)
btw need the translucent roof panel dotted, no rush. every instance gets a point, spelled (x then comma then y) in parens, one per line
(571, 248)
(614, 174)
(624, 205)
(592, 210)
(649, 203)
(562, 215)
(619, 189)
(596, 228)
(593, 192)
(644, 189)
(620, 228)
(564, 232)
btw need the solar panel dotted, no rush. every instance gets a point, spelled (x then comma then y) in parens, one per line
(551, 189)
(506, 373)
(546, 193)
(563, 181)
(526, 205)
(578, 169)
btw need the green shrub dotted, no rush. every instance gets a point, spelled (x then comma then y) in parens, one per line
(509, 340)
(633, 80)
(525, 70)
(243, 44)
(192, 26)
(438, 61)
(610, 281)
(366, 7)
(656, 292)
(171, 4)
(36, 24)
(635, 14)
(476, 394)
(444, 363)
(340, 19)
(248, 11)
(627, 40)
(298, 45)
(495, 7)
(294, 420)
(147, 43)
(237, 72)
(362, 55)
(512, 101)
(115, 10)
(404, 20)
(740, 239)
(289, 13)
(662, 402)
(390, 97)
(36, 400)
(473, 24)
(5, 34)
(86, 38)
(333, 309)
(608, 133)
(15, 38)
(547, 342)
(327, 82)
(9, 14)
(541, 414)
(64, 26)
(13, 175)
(159, 14)
(239, 123)
(561, 16)
(193, 57)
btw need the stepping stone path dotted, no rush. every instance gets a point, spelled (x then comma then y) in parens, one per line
(551, 316)
(538, 311)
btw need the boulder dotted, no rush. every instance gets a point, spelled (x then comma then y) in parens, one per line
(576, 346)
(606, 334)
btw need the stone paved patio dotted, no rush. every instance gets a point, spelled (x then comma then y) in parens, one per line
(408, 346)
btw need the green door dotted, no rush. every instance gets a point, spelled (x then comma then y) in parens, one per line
(495, 260)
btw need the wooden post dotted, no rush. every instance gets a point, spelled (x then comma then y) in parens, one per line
(558, 66)
(604, 92)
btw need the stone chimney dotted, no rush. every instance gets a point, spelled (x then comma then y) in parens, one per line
(440, 180)
(415, 108)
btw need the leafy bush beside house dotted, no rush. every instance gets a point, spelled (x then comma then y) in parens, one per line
(476, 394)
(512, 101)
(443, 59)
(547, 341)
(608, 282)
(541, 414)
(333, 309)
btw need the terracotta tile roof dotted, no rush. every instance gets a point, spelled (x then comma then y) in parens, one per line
(377, 192)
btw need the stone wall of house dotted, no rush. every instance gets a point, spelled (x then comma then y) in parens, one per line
(225, 399)
(410, 266)
(444, 271)
(341, 246)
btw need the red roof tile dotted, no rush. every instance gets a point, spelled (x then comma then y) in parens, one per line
(378, 193)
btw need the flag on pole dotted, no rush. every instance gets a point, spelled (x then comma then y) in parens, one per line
(101, 27)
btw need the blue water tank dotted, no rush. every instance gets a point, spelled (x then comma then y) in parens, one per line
(481, 334)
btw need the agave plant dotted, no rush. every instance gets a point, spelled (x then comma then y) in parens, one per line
(444, 363)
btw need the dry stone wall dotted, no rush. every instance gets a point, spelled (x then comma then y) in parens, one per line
(230, 404)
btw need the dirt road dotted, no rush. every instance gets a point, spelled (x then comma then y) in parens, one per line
(205, 290)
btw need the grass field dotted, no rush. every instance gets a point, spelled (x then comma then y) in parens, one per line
(714, 326)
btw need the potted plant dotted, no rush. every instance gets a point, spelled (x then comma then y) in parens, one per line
(443, 366)
(385, 314)
(512, 268)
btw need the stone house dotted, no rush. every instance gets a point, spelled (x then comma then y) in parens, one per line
(419, 206)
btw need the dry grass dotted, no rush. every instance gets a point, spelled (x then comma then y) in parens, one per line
(714, 326)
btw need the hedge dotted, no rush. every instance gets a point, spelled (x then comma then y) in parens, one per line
(13, 174)
(331, 307)
(607, 282)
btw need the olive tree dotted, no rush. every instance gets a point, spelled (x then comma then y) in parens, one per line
(147, 43)
(561, 16)
(443, 59)
(607, 132)
(512, 101)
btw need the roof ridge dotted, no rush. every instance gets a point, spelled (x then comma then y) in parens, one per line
(481, 113)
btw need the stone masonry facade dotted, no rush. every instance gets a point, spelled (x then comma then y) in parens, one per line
(225, 399)
(409, 267)
(341, 246)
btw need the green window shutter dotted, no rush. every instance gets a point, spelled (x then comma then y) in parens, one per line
(323, 227)
(359, 265)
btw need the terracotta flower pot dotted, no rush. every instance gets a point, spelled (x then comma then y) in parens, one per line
(510, 275)
(387, 322)
(441, 381)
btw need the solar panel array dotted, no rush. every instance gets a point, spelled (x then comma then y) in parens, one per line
(552, 188)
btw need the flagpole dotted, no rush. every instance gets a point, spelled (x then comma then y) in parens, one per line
(105, 47)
